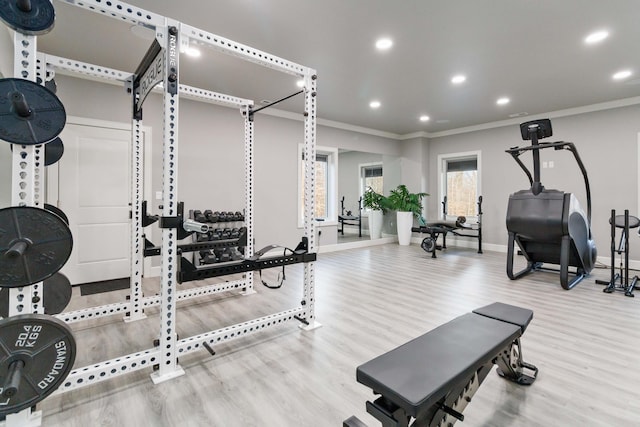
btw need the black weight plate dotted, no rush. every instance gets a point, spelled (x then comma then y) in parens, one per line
(49, 244)
(47, 118)
(51, 85)
(38, 20)
(56, 291)
(428, 244)
(56, 210)
(48, 350)
(53, 151)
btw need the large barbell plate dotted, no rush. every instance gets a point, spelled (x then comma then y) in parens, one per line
(56, 210)
(45, 121)
(48, 350)
(56, 291)
(53, 151)
(48, 245)
(39, 19)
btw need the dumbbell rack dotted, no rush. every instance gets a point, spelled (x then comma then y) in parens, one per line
(219, 238)
(169, 35)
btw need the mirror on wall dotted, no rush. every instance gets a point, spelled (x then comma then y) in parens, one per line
(356, 171)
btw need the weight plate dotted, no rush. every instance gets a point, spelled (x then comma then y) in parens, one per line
(428, 244)
(48, 350)
(56, 210)
(56, 291)
(51, 85)
(38, 19)
(46, 241)
(44, 119)
(53, 151)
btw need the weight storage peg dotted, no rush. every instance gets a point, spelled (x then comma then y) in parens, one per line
(31, 17)
(34, 245)
(30, 114)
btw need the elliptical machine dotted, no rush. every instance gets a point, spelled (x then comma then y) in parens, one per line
(549, 226)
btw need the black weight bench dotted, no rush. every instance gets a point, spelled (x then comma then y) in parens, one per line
(431, 379)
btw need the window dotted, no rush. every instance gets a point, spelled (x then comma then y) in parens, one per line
(325, 191)
(459, 179)
(371, 177)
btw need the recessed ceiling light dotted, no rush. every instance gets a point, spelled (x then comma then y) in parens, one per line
(192, 52)
(596, 37)
(384, 43)
(503, 101)
(300, 83)
(458, 79)
(375, 104)
(424, 118)
(621, 75)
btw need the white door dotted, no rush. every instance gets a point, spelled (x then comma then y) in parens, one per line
(94, 192)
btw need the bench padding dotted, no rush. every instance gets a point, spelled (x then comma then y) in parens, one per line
(419, 373)
(507, 313)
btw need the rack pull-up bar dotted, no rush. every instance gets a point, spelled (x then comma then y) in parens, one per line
(252, 112)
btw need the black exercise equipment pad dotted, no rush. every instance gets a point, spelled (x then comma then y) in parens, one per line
(418, 374)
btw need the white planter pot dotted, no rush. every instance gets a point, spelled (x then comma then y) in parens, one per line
(375, 224)
(404, 224)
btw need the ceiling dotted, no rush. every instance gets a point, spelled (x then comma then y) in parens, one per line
(531, 51)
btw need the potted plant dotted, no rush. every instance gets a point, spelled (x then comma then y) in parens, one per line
(407, 206)
(376, 203)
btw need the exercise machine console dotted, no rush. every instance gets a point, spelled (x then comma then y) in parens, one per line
(549, 226)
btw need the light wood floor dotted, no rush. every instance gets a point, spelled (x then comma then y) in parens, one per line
(586, 344)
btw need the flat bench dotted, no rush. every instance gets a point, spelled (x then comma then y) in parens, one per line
(431, 379)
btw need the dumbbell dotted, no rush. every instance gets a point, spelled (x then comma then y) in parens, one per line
(208, 257)
(223, 255)
(222, 217)
(239, 216)
(235, 254)
(235, 233)
(198, 216)
(211, 217)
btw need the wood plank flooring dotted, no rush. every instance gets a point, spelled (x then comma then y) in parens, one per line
(585, 343)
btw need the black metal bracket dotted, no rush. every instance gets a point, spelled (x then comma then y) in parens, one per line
(189, 272)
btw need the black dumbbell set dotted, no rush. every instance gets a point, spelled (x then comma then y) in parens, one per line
(220, 234)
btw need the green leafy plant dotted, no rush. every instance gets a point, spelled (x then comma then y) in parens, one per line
(402, 200)
(374, 201)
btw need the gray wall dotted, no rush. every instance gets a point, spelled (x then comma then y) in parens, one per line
(211, 139)
(607, 142)
(211, 156)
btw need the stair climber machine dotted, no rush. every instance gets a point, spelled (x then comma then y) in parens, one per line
(549, 226)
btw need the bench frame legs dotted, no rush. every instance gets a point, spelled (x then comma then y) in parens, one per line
(449, 410)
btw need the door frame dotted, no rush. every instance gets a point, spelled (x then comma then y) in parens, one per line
(52, 171)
